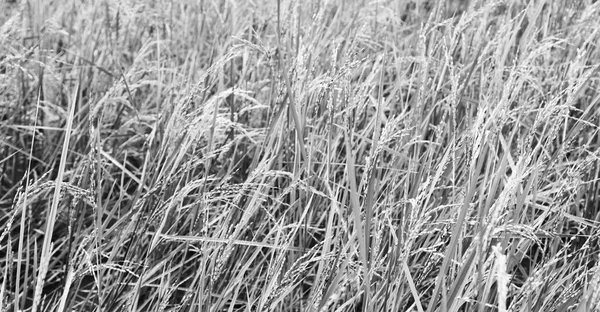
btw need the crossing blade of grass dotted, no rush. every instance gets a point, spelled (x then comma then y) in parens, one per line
(459, 282)
(24, 212)
(47, 244)
(284, 73)
(3, 288)
(355, 206)
(328, 243)
(411, 286)
(65, 294)
(455, 235)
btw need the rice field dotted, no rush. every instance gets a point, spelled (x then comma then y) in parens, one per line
(280, 155)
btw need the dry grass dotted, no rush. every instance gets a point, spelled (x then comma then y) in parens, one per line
(299, 156)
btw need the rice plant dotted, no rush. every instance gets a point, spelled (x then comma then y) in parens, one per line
(232, 155)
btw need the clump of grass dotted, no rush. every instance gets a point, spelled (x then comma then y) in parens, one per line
(292, 156)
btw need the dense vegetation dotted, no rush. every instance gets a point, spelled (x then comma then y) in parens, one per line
(299, 155)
